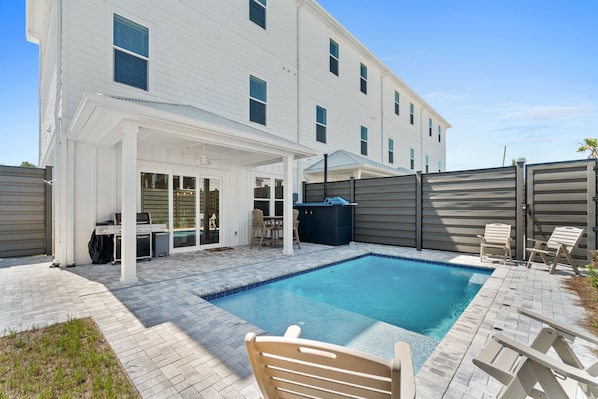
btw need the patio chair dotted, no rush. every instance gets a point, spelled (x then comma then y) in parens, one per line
(562, 242)
(527, 370)
(292, 367)
(496, 236)
(296, 228)
(258, 224)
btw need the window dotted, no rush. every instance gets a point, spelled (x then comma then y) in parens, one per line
(391, 151)
(334, 57)
(261, 195)
(131, 53)
(397, 102)
(265, 198)
(363, 79)
(320, 124)
(257, 100)
(412, 158)
(411, 113)
(439, 133)
(430, 126)
(440, 166)
(364, 140)
(427, 164)
(257, 12)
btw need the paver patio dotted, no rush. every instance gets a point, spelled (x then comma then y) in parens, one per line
(173, 344)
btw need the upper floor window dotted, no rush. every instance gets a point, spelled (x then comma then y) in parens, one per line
(364, 140)
(320, 124)
(257, 12)
(430, 126)
(427, 164)
(411, 113)
(334, 56)
(257, 100)
(412, 158)
(440, 166)
(131, 53)
(391, 151)
(397, 102)
(363, 73)
(439, 133)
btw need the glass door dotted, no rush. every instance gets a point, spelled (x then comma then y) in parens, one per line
(209, 204)
(184, 211)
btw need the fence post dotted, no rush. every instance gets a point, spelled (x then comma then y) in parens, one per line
(521, 211)
(352, 200)
(418, 210)
(591, 209)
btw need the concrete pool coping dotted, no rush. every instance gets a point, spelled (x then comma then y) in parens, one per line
(172, 343)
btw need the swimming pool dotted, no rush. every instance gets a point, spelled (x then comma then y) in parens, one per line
(366, 303)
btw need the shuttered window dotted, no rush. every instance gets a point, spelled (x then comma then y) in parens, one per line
(321, 124)
(131, 53)
(257, 12)
(364, 140)
(257, 100)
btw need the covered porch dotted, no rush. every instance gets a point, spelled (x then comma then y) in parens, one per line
(111, 141)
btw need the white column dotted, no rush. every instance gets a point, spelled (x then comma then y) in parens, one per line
(128, 263)
(287, 247)
(70, 203)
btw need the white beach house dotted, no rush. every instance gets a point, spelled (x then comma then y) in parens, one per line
(199, 111)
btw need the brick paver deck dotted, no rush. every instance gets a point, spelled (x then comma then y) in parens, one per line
(173, 344)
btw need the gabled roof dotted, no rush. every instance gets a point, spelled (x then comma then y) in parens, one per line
(345, 161)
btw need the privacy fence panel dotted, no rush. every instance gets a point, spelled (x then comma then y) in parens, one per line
(563, 194)
(456, 206)
(315, 192)
(25, 209)
(385, 211)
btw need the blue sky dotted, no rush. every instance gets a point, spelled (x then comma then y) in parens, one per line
(520, 74)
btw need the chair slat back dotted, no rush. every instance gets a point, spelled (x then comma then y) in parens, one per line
(497, 233)
(569, 236)
(316, 369)
(258, 217)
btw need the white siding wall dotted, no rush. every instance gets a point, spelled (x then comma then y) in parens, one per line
(201, 53)
(49, 75)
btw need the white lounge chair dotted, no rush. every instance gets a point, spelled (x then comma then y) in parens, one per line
(292, 367)
(527, 370)
(496, 236)
(562, 242)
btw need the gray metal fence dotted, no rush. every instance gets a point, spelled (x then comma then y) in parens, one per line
(446, 211)
(25, 211)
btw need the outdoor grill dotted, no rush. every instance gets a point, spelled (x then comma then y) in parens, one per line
(145, 230)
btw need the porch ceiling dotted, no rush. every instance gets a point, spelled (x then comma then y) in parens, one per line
(100, 121)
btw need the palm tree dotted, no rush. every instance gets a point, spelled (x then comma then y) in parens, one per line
(589, 145)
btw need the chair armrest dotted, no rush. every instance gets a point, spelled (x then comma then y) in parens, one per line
(293, 331)
(405, 365)
(547, 361)
(537, 243)
(570, 333)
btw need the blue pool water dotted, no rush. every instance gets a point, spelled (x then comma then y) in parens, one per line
(366, 303)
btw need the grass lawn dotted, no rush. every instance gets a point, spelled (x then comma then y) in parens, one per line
(66, 360)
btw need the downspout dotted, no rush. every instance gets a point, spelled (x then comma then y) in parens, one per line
(300, 4)
(382, 115)
(421, 137)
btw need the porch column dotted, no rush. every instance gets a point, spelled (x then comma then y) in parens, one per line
(128, 249)
(287, 247)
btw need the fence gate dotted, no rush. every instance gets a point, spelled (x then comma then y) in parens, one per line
(562, 194)
(25, 211)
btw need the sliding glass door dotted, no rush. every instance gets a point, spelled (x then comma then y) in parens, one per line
(188, 205)
(184, 211)
(209, 204)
